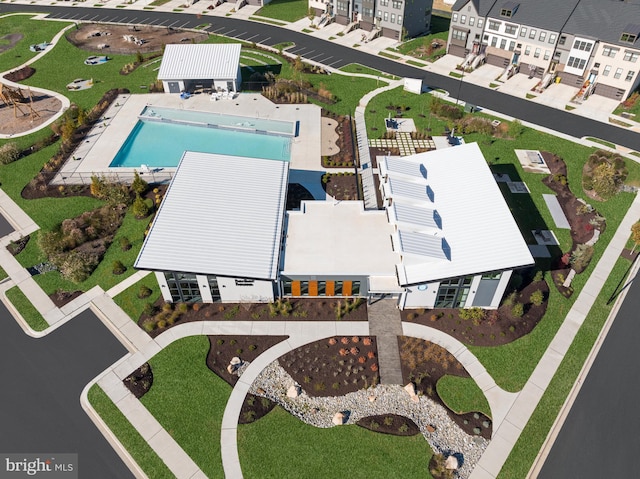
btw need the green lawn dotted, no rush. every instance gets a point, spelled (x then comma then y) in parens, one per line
(280, 446)
(285, 10)
(418, 47)
(523, 454)
(188, 399)
(131, 439)
(462, 395)
(3, 274)
(357, 68)
(130, 303)
(28, 311)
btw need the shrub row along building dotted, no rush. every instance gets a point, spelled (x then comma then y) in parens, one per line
(590, 44)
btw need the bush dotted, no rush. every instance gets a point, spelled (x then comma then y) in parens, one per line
(138, 185)
(118, 267)
(539, 276)
(149, 309)
(475, 314)
(76, 266)
(144, 291)
(536, 297)
(515, 129)
(581, 256)
(139, 207)
(517, 311)
(182, 308)
(9, 153)
(605, 180)
(125, 244)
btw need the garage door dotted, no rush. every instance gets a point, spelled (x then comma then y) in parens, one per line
(531, 70)
(497, 61)
(458, 51)
(608, 91)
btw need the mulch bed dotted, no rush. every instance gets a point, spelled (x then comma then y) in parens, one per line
(334, 366)
(304, 309)
(139, 381)
(345, 155)
(424, 363)
(390, 424)
(16, 247)
(628, 254)
(341, 187)
(60, 298)
(375, 152)
(499, 326)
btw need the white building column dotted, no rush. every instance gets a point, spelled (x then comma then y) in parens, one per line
(164, 287)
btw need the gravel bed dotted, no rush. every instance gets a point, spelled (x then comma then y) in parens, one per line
(273, 383)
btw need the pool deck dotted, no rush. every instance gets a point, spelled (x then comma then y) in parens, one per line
(102, 143)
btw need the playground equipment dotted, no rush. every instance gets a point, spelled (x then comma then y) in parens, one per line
(14, 97)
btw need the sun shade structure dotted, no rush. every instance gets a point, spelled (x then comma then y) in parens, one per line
(221, 215)
(452, 222)
(184, 67)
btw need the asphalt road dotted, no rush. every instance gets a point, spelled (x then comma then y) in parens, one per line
(335, 55)
(40, 385)
(601, 435)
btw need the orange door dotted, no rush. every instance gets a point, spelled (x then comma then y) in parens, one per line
(295, 288)
(331, 288)
(346, 288)
(313, 288)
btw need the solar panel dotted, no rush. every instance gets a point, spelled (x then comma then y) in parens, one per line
(416, 215)
(424, 244)
(408, 189)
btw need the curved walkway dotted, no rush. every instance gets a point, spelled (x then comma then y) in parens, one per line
(63, 99)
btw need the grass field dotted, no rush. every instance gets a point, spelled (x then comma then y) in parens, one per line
(462, 395)
(130, 303)
(280, 446)
(285, 10)
(26, 309)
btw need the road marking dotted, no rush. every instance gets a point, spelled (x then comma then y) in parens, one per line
(254, 36)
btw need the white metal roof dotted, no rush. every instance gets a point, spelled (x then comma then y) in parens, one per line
(221, 215)
(200, 62)
(397, 165)
(412, 190)
(477, 226)
(421, 217)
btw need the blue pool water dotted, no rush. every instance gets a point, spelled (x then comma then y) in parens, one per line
(159, 144)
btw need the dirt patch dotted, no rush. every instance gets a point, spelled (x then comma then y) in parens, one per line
(60, 298)
(496, 328)
(11, 39)
(103, 38)
(18, 119)
(630, 255)
(390, 424)
(16, 247)
(139, 381)
(341, 186)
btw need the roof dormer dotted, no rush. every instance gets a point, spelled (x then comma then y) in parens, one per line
(630, 33)
(508, 9)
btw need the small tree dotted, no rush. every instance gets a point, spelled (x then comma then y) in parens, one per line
(125, 244)
(536, 298)
(635, 235)
(605, 180)
(138, 185)
(118, 267)
(9, 152)
(140, 208)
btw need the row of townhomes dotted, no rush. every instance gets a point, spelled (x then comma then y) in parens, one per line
(389, 18)
(590, 44)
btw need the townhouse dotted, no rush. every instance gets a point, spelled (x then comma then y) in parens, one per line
(589, 44)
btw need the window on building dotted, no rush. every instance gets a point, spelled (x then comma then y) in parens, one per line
(618, 73)
(183, 287)
(472, 20)
(543, 36)
(452, 293)
(503, 43)
(480, 22)
(393, 18)
(286, 287)
(493, 25)
(337, 290)
(342, 6)
(398, 5)
(523, 32)
(562, 40)
(512, 46)
(463, 19)
(355, 288)
(583, 46)
(510, 29)
(630, 57)
(629, 76)
(552, 38)
(547, 55)
(610, 51)
(399, 19)
(527, 50)
(384, 3)
(322, 288)
(575, 62)
(304, 288)
(536, 53)
(385, 16)
(607, 70)
(532, 33)
(506, 12)
(215, 289)
(494, 41)
(454, 17)
(367, 12)
(628, 37)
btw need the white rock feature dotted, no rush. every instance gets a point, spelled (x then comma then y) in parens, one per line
(451, 463)
(293, 391)
(411, 390)
(338, 419)
(235, 361)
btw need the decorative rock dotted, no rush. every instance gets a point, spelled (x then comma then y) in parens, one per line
(431, 428)
(372, 398)
(451, 462)
(293, 391)
(235, 361)
(411, 389)
(338, 419)
(231, 369)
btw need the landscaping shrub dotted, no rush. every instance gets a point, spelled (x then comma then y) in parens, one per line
(516, 128)
(144, 291)
(517, 311)
(537, 297)
(125, 244)
(118, 267)
(9, 152)
(149, 309)
(139, 207)
(476, 314)
(539, 276)
(581, 256)
(605, 181)
(138, 185)
(76, 266)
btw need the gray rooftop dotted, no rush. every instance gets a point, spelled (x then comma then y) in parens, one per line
(605, 20)
(544, 14)
(482, 6)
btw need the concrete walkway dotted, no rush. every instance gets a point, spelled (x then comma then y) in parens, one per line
(385, 324)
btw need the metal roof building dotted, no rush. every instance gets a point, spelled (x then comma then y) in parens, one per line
(184, 67)
(475, 231)
(221, 215)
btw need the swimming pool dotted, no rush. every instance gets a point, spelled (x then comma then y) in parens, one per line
(162, 144)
